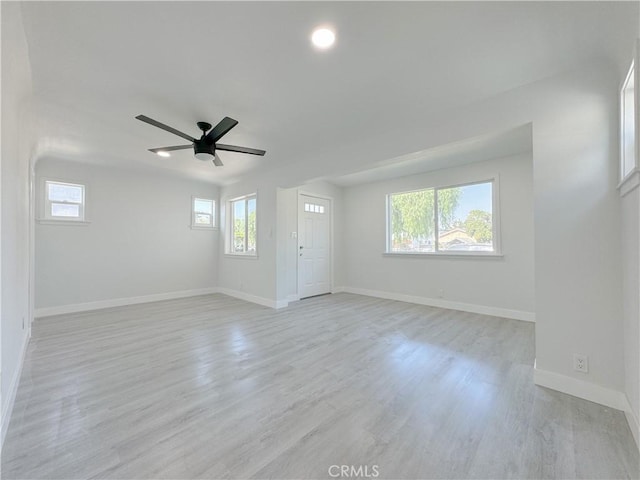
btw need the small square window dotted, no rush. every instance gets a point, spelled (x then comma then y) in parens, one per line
(64, 201)
(203, 213)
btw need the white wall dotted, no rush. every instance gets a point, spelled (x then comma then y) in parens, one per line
(138, 242)
(252, 278)
(17, 130)
(578, 285)
(504, 282)
(271, 278)
(630, 204)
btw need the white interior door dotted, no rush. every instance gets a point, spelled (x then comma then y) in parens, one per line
(314, 246)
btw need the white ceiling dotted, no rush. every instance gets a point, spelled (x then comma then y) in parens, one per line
(96, 65)
(478, 149)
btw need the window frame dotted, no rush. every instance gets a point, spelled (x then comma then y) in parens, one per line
(230, 217)
(45, 210)
(623, 177)
(214, 216)
(495, 217)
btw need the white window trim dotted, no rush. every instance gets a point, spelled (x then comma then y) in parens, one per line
(45, 218)
(495, 214)
(631, 180)
(622, 176)
(214, 216)
(229, 226)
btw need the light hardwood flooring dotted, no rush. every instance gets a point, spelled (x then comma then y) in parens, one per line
(214, 387)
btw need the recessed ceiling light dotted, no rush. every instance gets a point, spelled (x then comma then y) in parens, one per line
(162, 153)
(323, 37)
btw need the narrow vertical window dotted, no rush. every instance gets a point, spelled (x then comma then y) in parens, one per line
(628, 160)
(242, 237)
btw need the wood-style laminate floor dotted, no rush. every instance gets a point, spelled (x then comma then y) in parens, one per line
(214, 387)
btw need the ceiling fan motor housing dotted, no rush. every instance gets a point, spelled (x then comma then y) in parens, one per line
(203, 150)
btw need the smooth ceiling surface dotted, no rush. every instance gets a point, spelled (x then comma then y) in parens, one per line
(96, 65)
(507, 143)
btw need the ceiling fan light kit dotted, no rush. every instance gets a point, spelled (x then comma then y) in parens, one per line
(203, 152)
(205, 147)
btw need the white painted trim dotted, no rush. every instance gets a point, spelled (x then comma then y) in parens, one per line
(338, 289)
(592, 392)
(495, 205)
(632, 420)
(630, 182)
(9, 400)
(214, 219)
(267, 302)
(75, 223)
(440, 303)
(228, 219)
(119, 302)
(246, 256)
(444, 254)
(293, 298)
(580, 388)
(44, 212)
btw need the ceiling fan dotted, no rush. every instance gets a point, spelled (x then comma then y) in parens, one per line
(205, 147)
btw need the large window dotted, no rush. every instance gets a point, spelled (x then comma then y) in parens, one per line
(628, 159)
(454, 219)
(64, 201)
(203, 213)
(242, 226)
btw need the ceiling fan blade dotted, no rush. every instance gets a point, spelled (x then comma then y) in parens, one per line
(169, 149)
(155, 123)
(216, 160)
(233, 148)
(221, 129)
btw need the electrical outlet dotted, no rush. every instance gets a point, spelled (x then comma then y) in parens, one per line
(580, 363)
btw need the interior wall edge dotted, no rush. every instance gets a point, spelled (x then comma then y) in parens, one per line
(265, 302)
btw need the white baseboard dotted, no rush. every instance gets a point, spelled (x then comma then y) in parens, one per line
(440, 303)
(292, 298)
(7, 405)
(592, 392)
(633, 422)
(267, 302)
(119, 302)
(338, 290)
(580, 388)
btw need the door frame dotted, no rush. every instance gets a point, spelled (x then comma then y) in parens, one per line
(299, 194)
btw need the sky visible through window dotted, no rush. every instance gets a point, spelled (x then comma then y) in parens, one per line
(203, 206)
(474, 197)
(464, 217)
